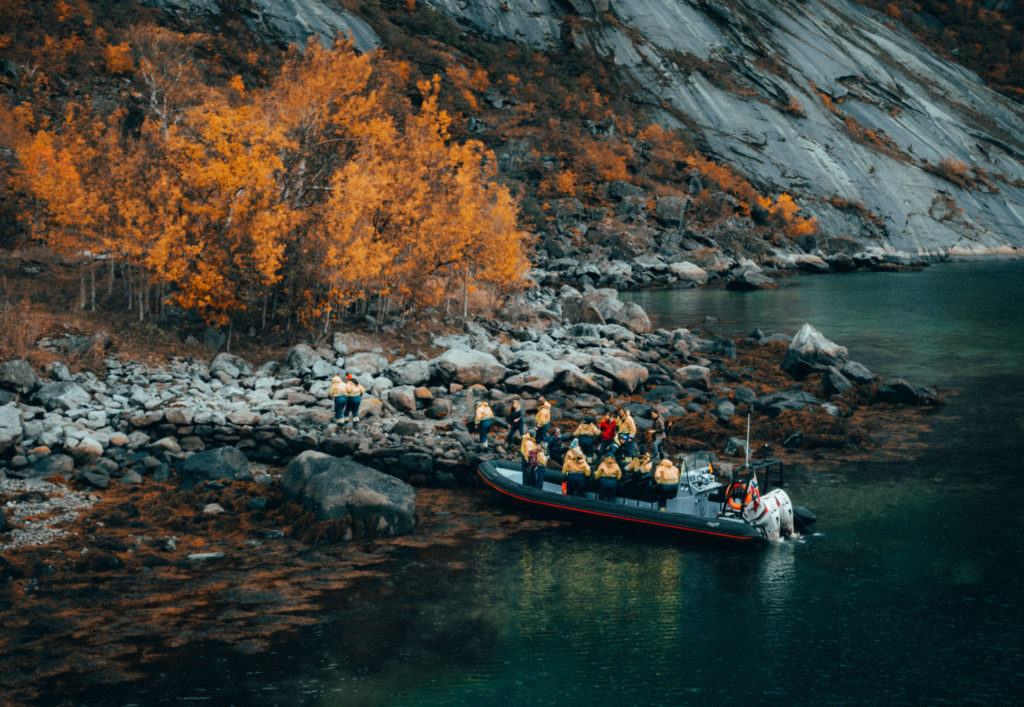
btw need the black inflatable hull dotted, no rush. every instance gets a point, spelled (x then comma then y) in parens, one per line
(726, 528)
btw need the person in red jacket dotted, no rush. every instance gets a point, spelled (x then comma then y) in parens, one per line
(608, 427)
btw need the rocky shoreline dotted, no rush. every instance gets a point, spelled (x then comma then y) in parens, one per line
(197, 423)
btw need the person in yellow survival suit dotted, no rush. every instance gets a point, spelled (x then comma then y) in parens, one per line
(339, 394)
(355, 397)
(576, 470)
(666, 477)
(607, 474)
(586, 433)
(543, 420)
(625, 431)
(483, 420)
(533, 461)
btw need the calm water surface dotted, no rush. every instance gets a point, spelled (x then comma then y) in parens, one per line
(909, 592)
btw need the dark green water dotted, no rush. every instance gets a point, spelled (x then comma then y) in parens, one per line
(908, 593)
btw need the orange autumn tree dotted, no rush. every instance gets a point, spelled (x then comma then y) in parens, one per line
(324, 189)
(73, 174)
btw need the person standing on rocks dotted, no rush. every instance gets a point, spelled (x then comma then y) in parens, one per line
(543, 420)
(660, 433)
(483, 420)
(516, 422)
(355, 397)
(339, 394)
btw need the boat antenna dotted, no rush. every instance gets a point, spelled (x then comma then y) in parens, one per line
(746, 447)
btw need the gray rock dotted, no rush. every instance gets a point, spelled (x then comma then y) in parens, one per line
(213, 464)
(725, 410)
(230, 365)
(900, 391)
(688, 272)
(694, 376)
(366, 364)
(11, 429)
(811, 351)
(403, 398)
(468, 367)
(575, 309)
(856, 372)
(17, 375)
(53, 465)
(412, 373)
(335, 488)
(774, 403)
(300, 359)
(627, 374)
(62, 394)
(632, 316)
(834, 383)
(749, 280)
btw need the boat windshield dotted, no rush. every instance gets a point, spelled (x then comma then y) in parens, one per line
(698, 461)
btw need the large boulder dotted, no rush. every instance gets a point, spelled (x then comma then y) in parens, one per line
(225, 365)
(301, 359)
(11, 429)
(632, 316)
(367, 364)
(18, 376)
(61, 394)
(811, 351)
(409, 372)
(694, 377)
(220, 463)
(50, 466)
(627, 374)
(689, 272)
(575, 309)
(468, 367)
(537, 371)
(335, 488)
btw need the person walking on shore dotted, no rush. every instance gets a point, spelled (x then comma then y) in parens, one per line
(516, 422)
(339, 394)
(355, 396)
(658, 448)
(484, 419)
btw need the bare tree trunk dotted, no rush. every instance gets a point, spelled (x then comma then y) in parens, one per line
(110, 282)
(231, 330)
(81, 288)
(92, 285)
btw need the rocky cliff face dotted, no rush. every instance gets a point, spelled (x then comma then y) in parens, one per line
(283, 21)
(824, 100)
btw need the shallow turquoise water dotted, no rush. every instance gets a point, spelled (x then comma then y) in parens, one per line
(908, 593)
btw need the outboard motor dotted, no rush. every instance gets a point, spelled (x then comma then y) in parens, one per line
(773, 516)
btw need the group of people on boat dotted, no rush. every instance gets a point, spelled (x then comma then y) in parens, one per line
(604, 450)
